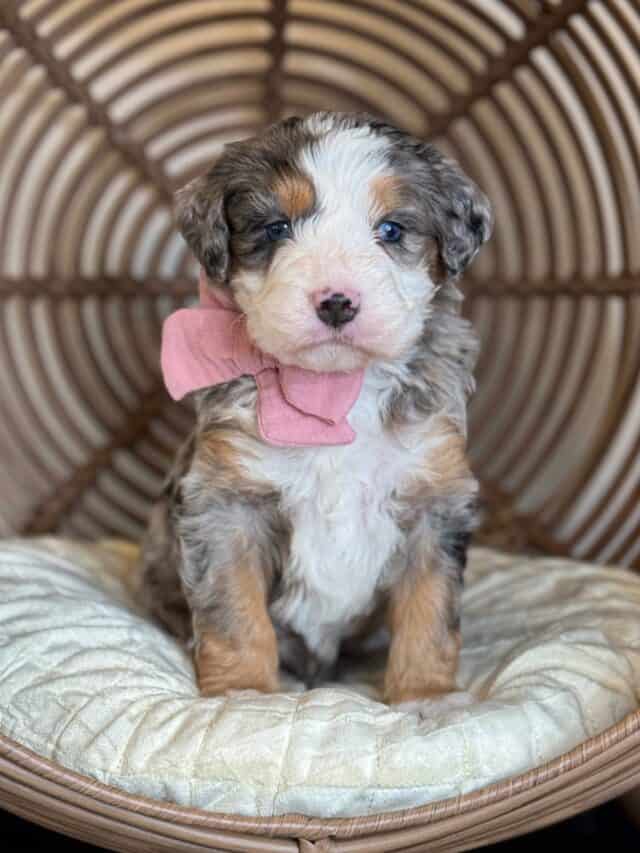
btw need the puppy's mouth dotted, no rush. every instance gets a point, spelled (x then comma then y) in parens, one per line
(337, 340)
(336, 352)
(350, 335)
(336, 337)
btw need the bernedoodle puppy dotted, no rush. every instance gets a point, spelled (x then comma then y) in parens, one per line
(325, 490)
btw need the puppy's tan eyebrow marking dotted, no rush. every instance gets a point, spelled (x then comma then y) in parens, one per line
(295, 194)
(386, 193)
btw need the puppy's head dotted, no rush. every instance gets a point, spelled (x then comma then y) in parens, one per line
(333, 233)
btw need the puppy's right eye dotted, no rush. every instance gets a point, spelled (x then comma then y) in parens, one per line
(279, 230)
(390, 232)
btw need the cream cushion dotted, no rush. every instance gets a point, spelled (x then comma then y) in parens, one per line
(551, 656)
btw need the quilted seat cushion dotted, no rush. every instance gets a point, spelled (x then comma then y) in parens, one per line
(551, 657)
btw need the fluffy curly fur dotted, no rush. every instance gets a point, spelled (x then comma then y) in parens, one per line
(266, 556)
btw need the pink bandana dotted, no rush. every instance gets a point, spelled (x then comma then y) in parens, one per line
(209, 345)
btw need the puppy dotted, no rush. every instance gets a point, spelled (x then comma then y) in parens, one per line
(335, 242)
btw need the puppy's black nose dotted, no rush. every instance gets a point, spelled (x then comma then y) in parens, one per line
(336, 310)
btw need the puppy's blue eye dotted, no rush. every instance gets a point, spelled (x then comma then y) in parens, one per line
(390, 232)
(278, 230)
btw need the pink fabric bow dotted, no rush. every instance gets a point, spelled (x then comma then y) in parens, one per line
(209, 345)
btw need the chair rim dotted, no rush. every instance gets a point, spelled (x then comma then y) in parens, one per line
(603, 766)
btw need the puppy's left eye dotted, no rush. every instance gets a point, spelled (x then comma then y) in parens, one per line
(279, 230)
(389, 232)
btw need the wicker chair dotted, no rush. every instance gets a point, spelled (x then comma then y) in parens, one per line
(108, 107)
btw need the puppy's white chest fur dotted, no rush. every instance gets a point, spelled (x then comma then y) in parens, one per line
(344, 534)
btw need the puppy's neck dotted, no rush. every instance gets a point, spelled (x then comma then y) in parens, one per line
(434, 377)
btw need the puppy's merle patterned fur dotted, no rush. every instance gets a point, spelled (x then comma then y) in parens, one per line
(266, 556)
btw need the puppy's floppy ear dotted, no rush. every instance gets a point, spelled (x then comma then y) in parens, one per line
(201, 219)
(461, 214)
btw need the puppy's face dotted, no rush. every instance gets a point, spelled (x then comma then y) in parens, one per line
(333, 233)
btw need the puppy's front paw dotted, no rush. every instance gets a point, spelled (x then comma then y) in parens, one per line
(215, 684)
(219, 682)
(246, 694)
(221, 667)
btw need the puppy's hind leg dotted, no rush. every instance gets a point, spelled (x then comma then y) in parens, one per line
(160, 589)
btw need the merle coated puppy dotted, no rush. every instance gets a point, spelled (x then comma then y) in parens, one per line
(340, 240)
